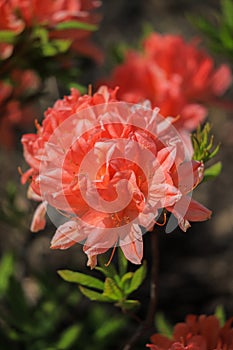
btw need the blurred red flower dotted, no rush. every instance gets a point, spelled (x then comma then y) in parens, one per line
(173, 75)
(196, 333)
(15, 104)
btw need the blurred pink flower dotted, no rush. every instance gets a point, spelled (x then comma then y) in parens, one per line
(16, 107)
(196, 333)
(173, 75)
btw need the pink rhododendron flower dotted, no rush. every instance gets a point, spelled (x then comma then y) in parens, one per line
(198, 332)
(110, 167)
(173, 75)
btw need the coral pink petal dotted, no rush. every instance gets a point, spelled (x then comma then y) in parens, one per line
(67, 235)
(133, 251)
(38, 221)
(197, 212)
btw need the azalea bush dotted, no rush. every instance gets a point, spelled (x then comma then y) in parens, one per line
(110, 168)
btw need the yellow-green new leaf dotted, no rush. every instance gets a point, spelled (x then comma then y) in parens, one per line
(137, 278)
(76, 25)
(111, 290)
(81, 278)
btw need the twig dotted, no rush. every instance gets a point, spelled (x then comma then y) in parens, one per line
(148, 323)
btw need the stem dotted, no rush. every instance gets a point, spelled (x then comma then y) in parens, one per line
(149, 320)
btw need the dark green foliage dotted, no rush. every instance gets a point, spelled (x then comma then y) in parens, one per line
(56, 320)
(219, 31)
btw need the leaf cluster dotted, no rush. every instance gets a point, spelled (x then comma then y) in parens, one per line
(205, 150)
(219, 31)
(116, 287)
(35, 49)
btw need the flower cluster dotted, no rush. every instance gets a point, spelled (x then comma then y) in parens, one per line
(110, 167)
(60, 19)
(198, 332)
(173, 75)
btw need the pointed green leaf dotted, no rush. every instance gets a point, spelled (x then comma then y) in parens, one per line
(137, 278)
(94, 296)
(81, 278)
(112, 290)
(68, 337)
(6, 271)
(213, 171)
(128, 276)
(163, 327)
(122, 262)
(220, 314)
(76, 25)
(227, 11)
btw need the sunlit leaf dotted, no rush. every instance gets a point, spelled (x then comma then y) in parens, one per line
(137, 279)
(81, 278)
(213, 171)
(111, 289)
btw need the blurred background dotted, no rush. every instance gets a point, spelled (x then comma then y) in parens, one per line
(40, 311)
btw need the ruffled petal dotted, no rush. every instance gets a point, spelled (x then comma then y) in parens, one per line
(67, 235)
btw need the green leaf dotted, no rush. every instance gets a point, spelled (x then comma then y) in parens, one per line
(137, 278)
(163, 327)
(122, 262)
(128, 276)
(41, 34)
(213, 171)
(81, 278)
(6, 271)
(68, 337)
(204, 149)
(227, 11)
(82, 89)
(129, 304)
(220, 314)
(108, 328)
(55, 47)
(111, 289)
(6, 36)
(76, 25)
(94, 296)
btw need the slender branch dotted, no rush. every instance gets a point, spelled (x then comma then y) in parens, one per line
(148, 323)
